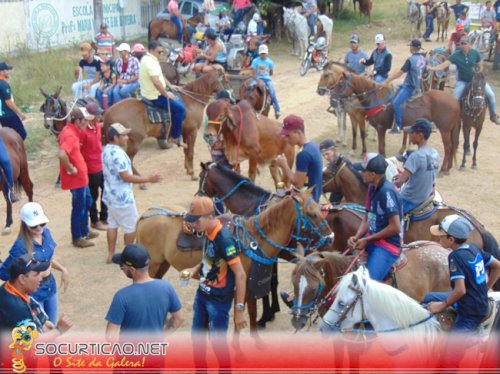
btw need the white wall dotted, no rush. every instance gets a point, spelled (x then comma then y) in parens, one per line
(12, 26)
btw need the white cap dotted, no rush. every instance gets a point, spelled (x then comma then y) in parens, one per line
(263, 49)
(32, 214)
(123, 47)
(379, 38)
(256, 17)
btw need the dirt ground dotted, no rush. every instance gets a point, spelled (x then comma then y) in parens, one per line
(93, 283)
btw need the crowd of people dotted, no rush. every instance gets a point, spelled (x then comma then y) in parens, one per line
(100, 180)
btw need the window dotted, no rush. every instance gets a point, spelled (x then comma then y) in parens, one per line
(187, 8)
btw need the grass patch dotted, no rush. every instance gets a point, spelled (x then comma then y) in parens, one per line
(36, 141)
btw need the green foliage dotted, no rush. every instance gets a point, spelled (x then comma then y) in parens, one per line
(37, 140)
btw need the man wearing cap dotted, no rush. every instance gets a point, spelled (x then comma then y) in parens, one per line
(456, 36)
(353, 57)
(118, 193)
(467, 264)
(414, 67)
(308, 162)
(253, 28)
(74, 176)
(418, 178)
(104, 40)
(153, 87)
(91, 148)
(263, 69)
(430, 13)
(329, 153)
(467, 60)
(381, 59)
(16, 306)
(10, 115)
(458, 8)
(90, 65)
(380, 229)
(143, 307)
(127, 69)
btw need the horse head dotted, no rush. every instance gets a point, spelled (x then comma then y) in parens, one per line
(330, 173)
(54, 111)
(474, 98)
(310, 279)
(205, 187)
(330, 78)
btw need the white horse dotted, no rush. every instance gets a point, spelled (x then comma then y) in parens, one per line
(327, 23)
(415, 15)
(296, 24)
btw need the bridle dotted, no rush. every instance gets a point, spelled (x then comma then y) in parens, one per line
(335, 170)
(474, 101)
(345, 309)
(57, 115)
(311, 307)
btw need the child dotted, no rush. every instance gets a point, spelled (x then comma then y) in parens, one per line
(224, 25)
(108, 81)
(263, 68)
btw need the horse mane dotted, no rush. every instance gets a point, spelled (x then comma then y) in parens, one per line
(306, 268)
(338, 261)
(200, 85)
(356, 173)
(272, 217)
(236, 178)
(342, 65)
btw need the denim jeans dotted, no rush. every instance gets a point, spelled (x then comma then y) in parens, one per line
(311, 21)
(379, 262)
(238, 16)
(46, 296)
(5, 163)
(81, 203)
(272, 92)
(15, 123)
(99, 95)
(125, 91)
(403, 95)
(379, 79)
(96, 183)
(177, 111)
(77, 88)
(429, 26)
(51, 307)
(490, 95)
(408, 205)
(210, 315)
(178, 23)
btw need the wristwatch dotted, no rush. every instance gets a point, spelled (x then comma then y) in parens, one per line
(239, 306)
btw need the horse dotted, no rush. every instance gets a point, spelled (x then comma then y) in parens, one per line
(55, 111)
(246, 134)
(436, 80)
(20, 173)
(365, 9)
(415, 15)
(170, 72)
(437, 106)
(324, 27)
(473, 103)
(340, 107)
(296, 23)
(267, 233)
(442, 20)
(255, 91)
(161, 26)
(131, 113)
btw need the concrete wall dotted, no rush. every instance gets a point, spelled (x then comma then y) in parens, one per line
(12, 27)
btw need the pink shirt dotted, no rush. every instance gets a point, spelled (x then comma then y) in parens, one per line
(240, 4)
(173, 8)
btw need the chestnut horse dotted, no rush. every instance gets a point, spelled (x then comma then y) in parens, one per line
(436, 106)
(20, 174)
(316, 274)
(160, 26)
(131, 113)
(270, 230)
(247, 135)
(257, 94)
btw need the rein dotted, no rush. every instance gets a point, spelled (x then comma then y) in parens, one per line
(240, 132)
(335, 174)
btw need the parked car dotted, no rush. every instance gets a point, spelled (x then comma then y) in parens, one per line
(190, 8)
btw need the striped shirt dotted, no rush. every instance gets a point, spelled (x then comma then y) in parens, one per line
(105, 41)
(132, 68)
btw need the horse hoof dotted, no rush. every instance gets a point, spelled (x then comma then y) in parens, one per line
(194, 177)
(462, 168)
(6, 231)
(474, 167)
(143, 187)
(163, 144)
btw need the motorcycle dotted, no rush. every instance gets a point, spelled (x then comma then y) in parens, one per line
(315, 56)
(183, 59)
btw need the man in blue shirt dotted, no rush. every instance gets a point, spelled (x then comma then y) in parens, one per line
(309, 164)
(458, 8)
(467, 264)
(381, 59)
(353, 57)
(380, 229)
(414, 66)
(263, 68)
(142, 307)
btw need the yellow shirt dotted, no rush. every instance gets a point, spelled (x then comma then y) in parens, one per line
(150, 67)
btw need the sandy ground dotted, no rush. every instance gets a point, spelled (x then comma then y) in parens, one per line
(93, 283)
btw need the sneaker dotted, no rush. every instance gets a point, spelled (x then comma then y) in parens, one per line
(277, 115)
(495, 119)
(99, 225)
(13, 198)
(82, 243)
(395, 130)
(286, 299)
(92, 235)
(427, 40)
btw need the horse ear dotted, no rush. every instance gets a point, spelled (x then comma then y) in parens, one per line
(296, 257)
(44, 93)
(203, 165)
(58, 92)
(300, 249)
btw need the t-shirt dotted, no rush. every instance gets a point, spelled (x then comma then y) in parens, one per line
(105, 41)
(352, 61)
(381, 204)
(497, 9)
(422, 179)
(310, 161)
(219, 252)
(252, 28)
(414, 67)
(309, 5)
(465, 63)
(91, 148)
(241, 4)
(107, 79)
(488, 15)
(69, 141)
(143, 307)
(5, 95)
(173, 8)
(465, 23)
(150, 67)
(458, 9)
(469, 263)
(91, 68)
(117, 193)
(263, 68)
(131, 70)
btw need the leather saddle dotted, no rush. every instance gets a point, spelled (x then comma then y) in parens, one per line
(155, 113)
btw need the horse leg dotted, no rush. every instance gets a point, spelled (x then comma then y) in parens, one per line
(362, 134)
(26, 181)
(404, 144)
(447, 144)
(158, 270)
(344, 128)
(252, 169)
(252, 314)
(475, 144)
(381, 140)
(466, 131)
(354, 127)
(8, 222)
(190, 140)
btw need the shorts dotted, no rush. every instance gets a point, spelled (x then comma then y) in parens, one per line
(124, 218)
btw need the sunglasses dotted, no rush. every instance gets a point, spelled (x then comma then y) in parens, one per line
(42, 225)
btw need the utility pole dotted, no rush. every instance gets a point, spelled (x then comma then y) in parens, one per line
(98, 15)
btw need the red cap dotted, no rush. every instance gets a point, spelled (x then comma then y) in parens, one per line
(292, 123)
(459, 27)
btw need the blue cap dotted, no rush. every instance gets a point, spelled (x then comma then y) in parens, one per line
(134, 255)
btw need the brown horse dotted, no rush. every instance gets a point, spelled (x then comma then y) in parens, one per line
(132, 114)
(340, 175)
(436, 106)
(473, 104)
(257, 94)
(442, 21)
(315, 275)
(160, 26)
(365, 9)
(20, 174)
(247, 135)
(270, 230)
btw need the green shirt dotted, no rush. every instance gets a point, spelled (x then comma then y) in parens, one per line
(465, 63)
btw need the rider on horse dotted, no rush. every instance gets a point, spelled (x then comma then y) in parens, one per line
(263, 68)
(215, 54)
(381, 59)
(329, 153)
(380, 229)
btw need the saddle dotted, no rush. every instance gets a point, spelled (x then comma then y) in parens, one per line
(189, 240)
(421, 212)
